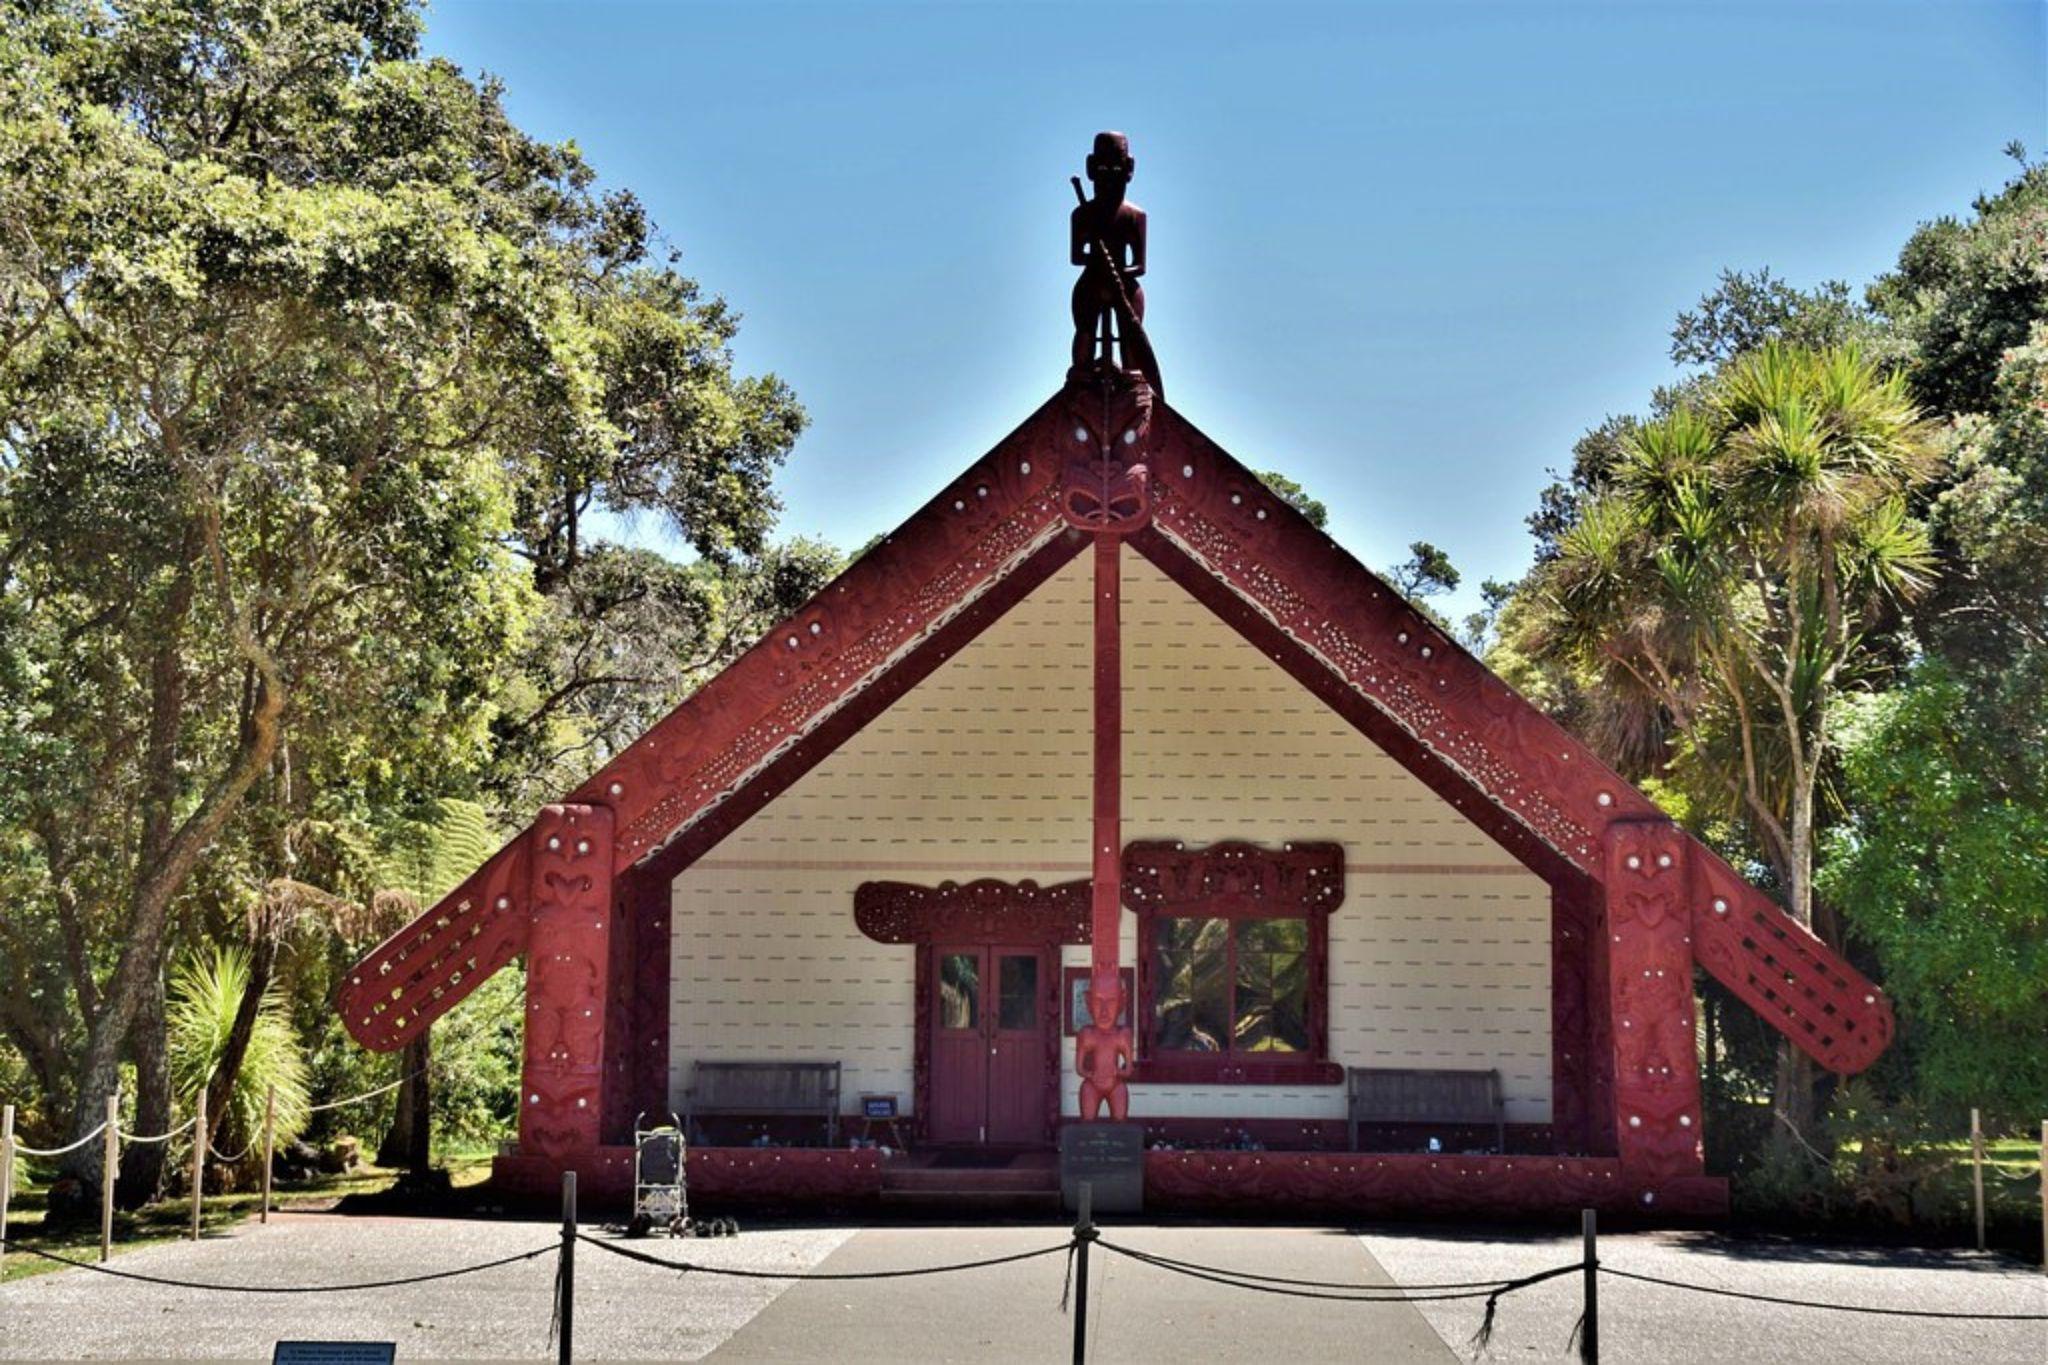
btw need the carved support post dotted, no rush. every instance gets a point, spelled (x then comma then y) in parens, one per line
(568, 981)
(1651, 1006)
(1101, 1052)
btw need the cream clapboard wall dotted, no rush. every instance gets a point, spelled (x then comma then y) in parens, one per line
(1438, 957)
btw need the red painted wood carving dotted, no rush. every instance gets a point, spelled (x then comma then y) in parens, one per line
(568, 980)
(981, 911)
(739, 1175)
(1486, 1185)
(1232, 880)
(1650, 1003)
(1581, 1109)
(1221, 514)
(1783, 972)
(955, 548)
(425, 969)
(1165, 876)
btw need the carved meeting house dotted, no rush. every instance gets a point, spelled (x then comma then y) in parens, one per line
(1108, 788)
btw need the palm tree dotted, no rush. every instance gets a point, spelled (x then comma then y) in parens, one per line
(1731, 577)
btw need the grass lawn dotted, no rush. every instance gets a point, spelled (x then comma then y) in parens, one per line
(172, 1219)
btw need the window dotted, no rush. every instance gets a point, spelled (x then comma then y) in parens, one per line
(1233, 981)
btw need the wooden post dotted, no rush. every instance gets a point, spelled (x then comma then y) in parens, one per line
(566, 1304)
(1084, 1233)
(110, 1167)
(198, 1159)
(1977, 1169)
(2044, 1194)
(269, 1140)
(1589, 1326)
(6, 1175)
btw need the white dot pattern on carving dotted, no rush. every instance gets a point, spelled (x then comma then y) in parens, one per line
(1439, 957)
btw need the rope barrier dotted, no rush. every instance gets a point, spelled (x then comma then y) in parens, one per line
(1370, 1294)
(358, 1099)
(160, 1137)
(23, 1149)
(285, 1289)
(1831, 1307)
(1171, 1263)
(219, 1155)
(736, 1273)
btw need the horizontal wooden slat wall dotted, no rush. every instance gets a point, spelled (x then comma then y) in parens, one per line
(1439, 957)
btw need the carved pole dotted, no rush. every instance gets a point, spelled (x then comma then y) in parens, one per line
(1106, 919)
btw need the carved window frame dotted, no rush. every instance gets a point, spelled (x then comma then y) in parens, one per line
(1234, 881)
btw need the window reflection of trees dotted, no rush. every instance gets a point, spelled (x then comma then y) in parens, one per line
(1204, 1003)
(959, 990)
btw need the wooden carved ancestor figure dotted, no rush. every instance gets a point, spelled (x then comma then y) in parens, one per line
(1107, 240)
(1102, 1055)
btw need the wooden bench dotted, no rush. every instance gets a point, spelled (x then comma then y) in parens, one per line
(765, 1090)
(1441, 1098)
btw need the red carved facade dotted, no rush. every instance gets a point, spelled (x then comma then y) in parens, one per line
(1238, 880)
(982, 911)
(583, 893)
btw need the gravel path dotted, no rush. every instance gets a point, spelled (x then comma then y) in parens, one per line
(1651, 1323)
(623, 1311)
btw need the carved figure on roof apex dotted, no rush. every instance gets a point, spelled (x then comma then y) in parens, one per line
(1106, 239)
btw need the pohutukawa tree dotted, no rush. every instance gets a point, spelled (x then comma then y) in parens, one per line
(1731, 575)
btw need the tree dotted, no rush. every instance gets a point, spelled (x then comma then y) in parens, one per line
(1733, 575)
(1937, 866)
(301, 340)
(1748, 309)
(1297, 497)
(1427, 572)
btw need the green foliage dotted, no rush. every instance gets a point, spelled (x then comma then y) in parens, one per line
(313, 366)
(206, 991)
(1297, 497)
(1748, 309)
(475, 1071)
(1729, 580)
(1941, 865)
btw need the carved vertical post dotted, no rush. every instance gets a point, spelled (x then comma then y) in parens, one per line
(1105, 986)
(1651, 1005)
(568, 970)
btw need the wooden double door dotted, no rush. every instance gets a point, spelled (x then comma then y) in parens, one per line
(994, 1031)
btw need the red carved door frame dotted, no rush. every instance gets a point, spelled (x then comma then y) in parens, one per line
(987, 917)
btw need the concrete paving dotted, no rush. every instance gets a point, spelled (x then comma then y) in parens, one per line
(623, 1311)
(1646, 1323)
(1137, 1313)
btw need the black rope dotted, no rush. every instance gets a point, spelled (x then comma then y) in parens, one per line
(1831, 1307)
(1367, 1294)
(1173, 1263)
(282, 1288)
(645, 1259)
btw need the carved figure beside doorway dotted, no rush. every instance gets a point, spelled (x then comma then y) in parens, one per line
(1102, 1055)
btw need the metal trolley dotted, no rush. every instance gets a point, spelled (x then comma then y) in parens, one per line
(661, 1197)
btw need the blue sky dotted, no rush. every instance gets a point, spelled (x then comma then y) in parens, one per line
(1403, 253)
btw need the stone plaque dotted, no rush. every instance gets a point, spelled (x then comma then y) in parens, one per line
(1111, 1158)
